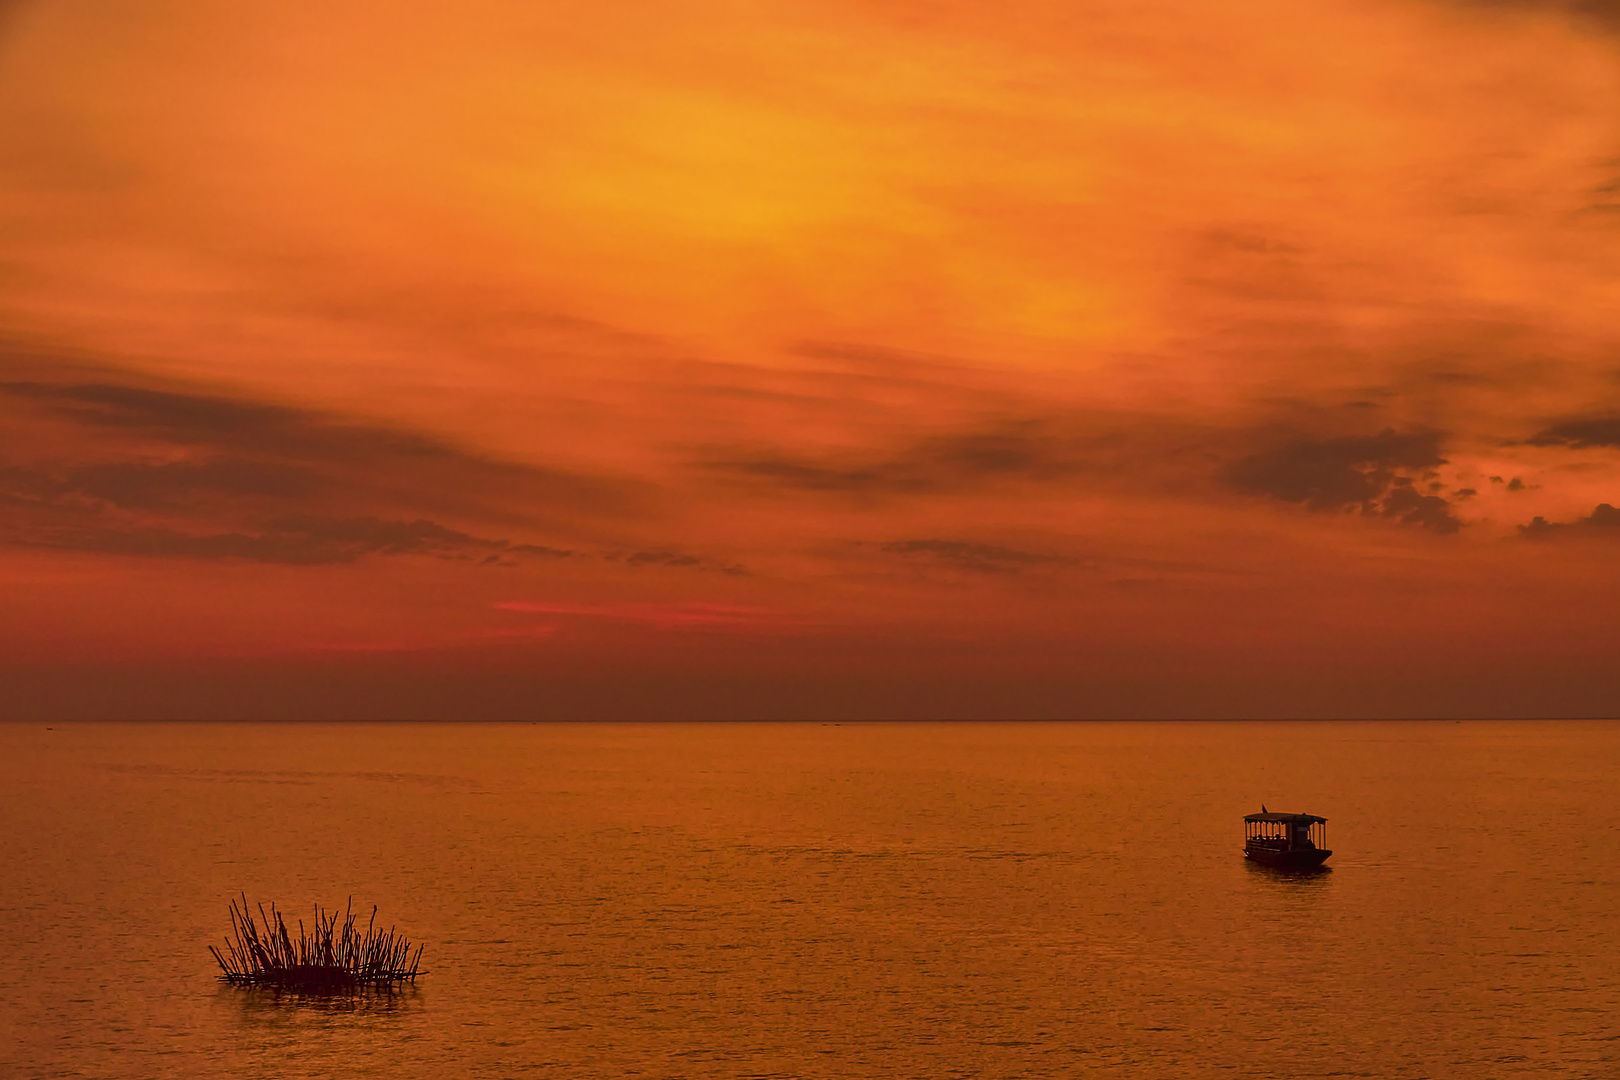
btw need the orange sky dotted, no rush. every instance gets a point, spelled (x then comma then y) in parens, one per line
(809, 358)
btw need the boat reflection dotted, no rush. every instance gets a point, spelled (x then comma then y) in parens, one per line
(1288, 875)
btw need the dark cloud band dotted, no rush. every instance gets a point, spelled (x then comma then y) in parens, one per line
(1375, 474)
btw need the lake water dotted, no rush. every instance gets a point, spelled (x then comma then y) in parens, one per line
(808, 900)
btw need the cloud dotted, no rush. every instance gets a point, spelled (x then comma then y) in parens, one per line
(785, 472)
(184, 417)
(1034, 450)
(664, 616)
(1370, 473)
(162, 485)
(1599, 522)
(1406, 504)
(1023, 450)
(1580, 433)
(964, 555)
(1329, 474)
(242, 433)
(163, 473)
(292, 549)
(676, 559)
(1391, 474)
(539, 549)
(306, 541)
(1602, 12)
(119, 468)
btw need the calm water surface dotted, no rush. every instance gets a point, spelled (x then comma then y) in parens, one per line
(804, 900)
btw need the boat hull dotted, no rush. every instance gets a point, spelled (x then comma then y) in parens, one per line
(1295, 860)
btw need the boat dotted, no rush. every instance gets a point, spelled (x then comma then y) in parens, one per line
(1292, 841)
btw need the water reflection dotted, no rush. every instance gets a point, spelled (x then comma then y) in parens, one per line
(265, 1004)
(1300, 881)
(761, 900)
(1287, 873)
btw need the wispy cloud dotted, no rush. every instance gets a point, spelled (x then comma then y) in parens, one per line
(667, 557)
(663, 616)
(1580, 433)
(131, 470)
(966, 555)
(1032, 450)
(304, 541)
(1604, 521)
(246, 443)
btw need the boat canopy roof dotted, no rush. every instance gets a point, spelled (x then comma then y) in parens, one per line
(1284, 819)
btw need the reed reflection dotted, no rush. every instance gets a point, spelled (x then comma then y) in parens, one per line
(278, 1006)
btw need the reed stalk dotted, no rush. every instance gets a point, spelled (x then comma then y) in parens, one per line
(326, 957)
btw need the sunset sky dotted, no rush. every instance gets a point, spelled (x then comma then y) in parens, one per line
(809, 359)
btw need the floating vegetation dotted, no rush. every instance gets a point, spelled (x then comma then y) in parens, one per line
(329, 957)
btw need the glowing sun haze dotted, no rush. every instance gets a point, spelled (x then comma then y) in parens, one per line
(820, 359)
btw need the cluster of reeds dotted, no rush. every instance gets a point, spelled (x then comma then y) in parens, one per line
(330, 956)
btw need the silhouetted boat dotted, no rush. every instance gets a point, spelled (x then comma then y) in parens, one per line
(1290, 840)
